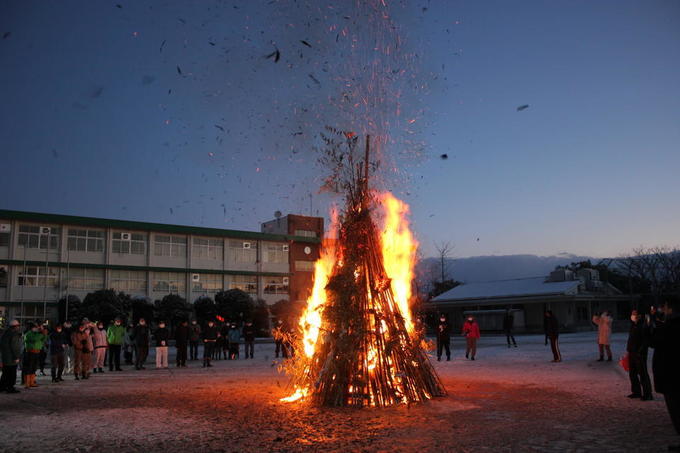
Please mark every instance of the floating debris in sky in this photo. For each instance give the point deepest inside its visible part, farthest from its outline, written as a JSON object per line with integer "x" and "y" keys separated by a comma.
{"x": 444, "y": 156}
{"x": 522, "y": 107}
{"x": 275, "y": 55}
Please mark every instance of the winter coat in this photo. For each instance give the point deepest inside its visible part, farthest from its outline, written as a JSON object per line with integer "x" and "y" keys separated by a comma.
{"x": 127, "y": 339}
{"x": 471, "y": 329}
{"x": 638, "y": 337}
{"x": 162, "y": 337}
{"x": 249, "y": 333}
{"x": 210, "y": 333}
{"x": 140, "y": 335}
{"x": 99, "y": 338}
{"x": 444, "y": 331}
{"x": 115, "y": 334}
{"x": 10, "y": 347}
{"x": 508, "y": 321}
{"x": 57, "y": 342}
{"x": 604, "y": 329}
{"x": 234, "y": 336}
{"x": 551, "y": 326}
{"x": 195, "y": 334}
{"x": 68, "y": 333}
{"x": 34, "y": 341}
{"x": 666, "y": 360}
{"x": 182, "y": 334}
{"x": 82, "y": 341}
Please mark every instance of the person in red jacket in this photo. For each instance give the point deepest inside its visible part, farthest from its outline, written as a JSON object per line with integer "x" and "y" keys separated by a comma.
{"x": 471, "y": 334}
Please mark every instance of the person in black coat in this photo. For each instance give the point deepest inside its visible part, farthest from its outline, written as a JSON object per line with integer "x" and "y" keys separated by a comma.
{"x": 443, "y": 338}
{"x": 508, "y": 324}
{"x": 58, "y": 344}
{"x": 249, "y": 338}
{"x": 10, "y": 354}
{"x": 182, "y": 334}
{"x": 210, "y": 335}
{"x": 666, "y": 362}
{"x": 637, "y": 347}
{"x": 140, "y": 335}
{"x": 552, "y": 333}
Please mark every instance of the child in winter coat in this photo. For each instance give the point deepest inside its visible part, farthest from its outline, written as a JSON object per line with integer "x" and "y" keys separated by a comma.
{"x": 604, "y": 332}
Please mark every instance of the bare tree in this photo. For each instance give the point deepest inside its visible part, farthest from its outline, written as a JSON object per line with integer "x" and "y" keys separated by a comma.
{"x": 444, "y": 250}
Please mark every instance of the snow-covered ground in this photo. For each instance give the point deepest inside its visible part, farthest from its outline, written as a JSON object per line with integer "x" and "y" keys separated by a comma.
{"x": 505, "y": 401}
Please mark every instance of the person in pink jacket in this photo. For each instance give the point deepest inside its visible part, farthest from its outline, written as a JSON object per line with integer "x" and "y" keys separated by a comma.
{"x": 604, "y": 332}
{"x": 100, "y": 346}
{"x": 471, "y": 334}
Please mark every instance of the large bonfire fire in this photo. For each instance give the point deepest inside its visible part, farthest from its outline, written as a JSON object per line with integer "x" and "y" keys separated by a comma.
{"x": 360, "y": 345}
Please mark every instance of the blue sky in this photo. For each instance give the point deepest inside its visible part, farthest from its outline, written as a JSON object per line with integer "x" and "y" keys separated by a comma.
{"x": 97, "y": 120}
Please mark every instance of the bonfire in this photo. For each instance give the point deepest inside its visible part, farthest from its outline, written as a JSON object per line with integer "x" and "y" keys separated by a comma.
{"x": 359, "y": 344}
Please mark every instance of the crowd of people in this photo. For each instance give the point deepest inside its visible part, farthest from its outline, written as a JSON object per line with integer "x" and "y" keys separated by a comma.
{"x": 87, "y": 348}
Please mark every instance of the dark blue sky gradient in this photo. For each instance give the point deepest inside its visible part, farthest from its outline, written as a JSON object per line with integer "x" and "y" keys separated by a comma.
{"x": 88, "y": 127}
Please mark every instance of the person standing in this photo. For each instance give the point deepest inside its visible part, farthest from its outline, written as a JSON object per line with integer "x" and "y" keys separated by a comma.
{"x": 222, "y": 345}
{"x": 194, "y": 339}
{"x": 209, "y": 339}
{"x": 100, "y": 345}
{"x": 234, "y": 339}
{"x": 162, "y": 337}
{"x": 443, "y": 338}
{"x": 279, "y": 334}
{"x": 141, "y": 337}
{"x": 182, "y": 334}
{"x": 10, "y": 354}
{"x": 471, "y": 334}
{"x": 115, "y": 336}
{"x": 508, "y": 324}
{"x": 57, "y": 350}
{"x": 34, "y": 342}
{"x": 604, "y": 333}
{"x": 637, "y": 347}
{"x": 82, "y": 343}
{"x": 43, "y": 352}
{"x": 666, "y": 362}
{"x": 68, "y": 349}
{"x": 249, "y": 339}
{"x": 128, "y": 345}
{"x": 552, "y": 332}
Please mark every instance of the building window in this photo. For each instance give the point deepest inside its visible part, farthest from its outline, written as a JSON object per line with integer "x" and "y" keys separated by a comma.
{"x": 4, "y": 239}
{"x": 276, "y": 253}
{"x": 208, "y": 249}
{"x": 4, "y": 275}
{"x": 85, "y": 240}
{"x": 276, "y": 285}
{"x": 38, "y": 276}
{"x": 128, "y": 281}
{"x": 246, "y": 283}
{"x": 305, "y": 233}
{"x": 304, "y": 266}
{"x": 128, "y": 243}
{"x": 168, "y": 282}
{"x": 86, "y": 279}
{"x": 34, "y": 237}
{"x": 243, "y": 252}
{"x": 174, "y": 246}
{"x": 207, "y": 283}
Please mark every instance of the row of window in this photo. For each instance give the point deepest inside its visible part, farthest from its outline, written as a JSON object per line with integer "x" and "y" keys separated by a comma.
{"x": 84, "y": 240}
{"x": 136, "y": 281}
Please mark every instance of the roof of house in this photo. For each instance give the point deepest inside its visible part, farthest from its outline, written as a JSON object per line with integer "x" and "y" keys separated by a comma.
{"x": 6, "y": 214}
{"x": 521, "y": 287}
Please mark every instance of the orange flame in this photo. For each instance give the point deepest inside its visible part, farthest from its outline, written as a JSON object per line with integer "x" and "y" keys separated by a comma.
{"x": 398, "y": 247}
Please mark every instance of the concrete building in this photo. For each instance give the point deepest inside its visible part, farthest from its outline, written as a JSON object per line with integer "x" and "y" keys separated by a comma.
{"x": 573, "y": 297}
{"x": 44, "y": 257}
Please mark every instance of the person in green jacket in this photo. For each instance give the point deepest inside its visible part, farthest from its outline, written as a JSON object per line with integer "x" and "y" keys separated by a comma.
{"x": 115, "y": 335}
{"x": 34, "y": 341}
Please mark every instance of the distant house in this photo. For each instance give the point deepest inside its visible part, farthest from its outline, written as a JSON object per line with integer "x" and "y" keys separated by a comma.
{"x": 572, "y": 296}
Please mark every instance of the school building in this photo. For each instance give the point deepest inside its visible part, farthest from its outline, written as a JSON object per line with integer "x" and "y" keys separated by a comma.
{"x": 44, "y": 257}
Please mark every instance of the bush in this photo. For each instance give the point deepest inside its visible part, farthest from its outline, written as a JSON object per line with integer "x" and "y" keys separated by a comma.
{"x": 234, "y": 305}
{"x": 74, "y": 309}
{"x": 103, "y": 305}
{"x": 205, "y": 309}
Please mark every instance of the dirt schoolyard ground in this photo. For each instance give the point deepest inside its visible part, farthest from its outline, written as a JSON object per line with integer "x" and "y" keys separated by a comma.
{"x": 508, "y": 400}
